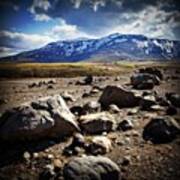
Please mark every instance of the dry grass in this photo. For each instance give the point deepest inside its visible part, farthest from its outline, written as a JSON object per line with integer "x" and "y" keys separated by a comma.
{"x": 19, "y": 70}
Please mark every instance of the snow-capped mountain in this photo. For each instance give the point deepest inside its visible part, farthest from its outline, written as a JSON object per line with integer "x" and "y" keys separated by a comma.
{"x": 112, "y": 47}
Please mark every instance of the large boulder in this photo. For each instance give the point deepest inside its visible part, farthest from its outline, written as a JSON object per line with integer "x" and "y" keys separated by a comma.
{"x": 144, "y": 81}
{"x": 153, "y": 71}
{"x": 119, "y": 96}
{"x": 91, "y": 168}
{"x": 46, "y": 117}
{"x": 97, "y": 123}
{"x": 161, "y": 130}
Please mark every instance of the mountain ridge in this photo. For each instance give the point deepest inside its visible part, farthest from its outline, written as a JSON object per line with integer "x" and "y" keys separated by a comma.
{"x": 114, "y": 46}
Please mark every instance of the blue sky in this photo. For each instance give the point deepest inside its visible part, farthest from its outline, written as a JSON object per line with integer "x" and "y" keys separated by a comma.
{"x": 30, "y": 24}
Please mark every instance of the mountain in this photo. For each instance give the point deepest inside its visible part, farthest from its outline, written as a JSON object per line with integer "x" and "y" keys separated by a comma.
{"x": 112, "y": 47}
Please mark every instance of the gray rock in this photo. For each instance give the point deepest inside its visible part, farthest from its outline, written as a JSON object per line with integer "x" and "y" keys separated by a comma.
{"x": 97, "y": 123}
{"x": 161, "y": 130}
{"x": 92, "y": 107}
{"x": 114, "y": 109}
{"x": 99, "y": 145}
{"x": 67, "y": 97}
{"x": 46, "y": 117}
{"x": 91, "y": 168}
{"x": 119, "y": 96}
{"x": 144, "y": 81}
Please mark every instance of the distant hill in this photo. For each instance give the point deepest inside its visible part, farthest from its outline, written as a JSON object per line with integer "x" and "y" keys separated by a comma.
{"x": 112, "y": 47}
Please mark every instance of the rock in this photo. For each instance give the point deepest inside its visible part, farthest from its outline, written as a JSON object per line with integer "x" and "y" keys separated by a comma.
{"x": 133, "y": 111}
{"x": 99, "y": 145}
{"x": 27, "y": 156}
{"x": 174, "y": 99}
{"x": 114, "y": 109}
{"x": 147, "y": 101}
{"x": 161, "y": 130}
{"x": 77, "y": 110}
{"x": 45, "y": 118}
{"x": 3, "y": 101}
{"x": 162, "y": 101}
{"x": 153, "y": 71}
{"x": 48, "y": 173}
{"x": 50, "y": 87}
{"x": 67, "y": 97}
{"x": 92, "y": 107}
{"x": 52, "y": 81}
{"x": 88, "y": 80}
{"x": 91, "y": 168}
{"x": 94, "y": 91}
{"x": 97, "y": 123}
{"x": 171, "y": 110}
{"x": 125, "y": 125}
{"x": 144, "y": 81}
{"x": 156, "y": 108}
{"x": 57, "y": 164}
{"x": 126, "y": 160}
{"x": 119, "y": 96}
{"x": 85, "y": 95}
{"x": 78, "y": 141}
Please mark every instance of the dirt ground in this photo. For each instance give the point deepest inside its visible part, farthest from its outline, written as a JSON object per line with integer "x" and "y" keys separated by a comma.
{"x": 147, "y": 161}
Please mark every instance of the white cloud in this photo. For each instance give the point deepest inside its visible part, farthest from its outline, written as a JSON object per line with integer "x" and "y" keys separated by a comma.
{"x": 42, "y": 4}
{"x": 41, "y": 17}
{"x": 15, "y": 42}
{"x": 152, "y": 22}
{"x": 6, "y": 51}
{"x": 64, "y": 31}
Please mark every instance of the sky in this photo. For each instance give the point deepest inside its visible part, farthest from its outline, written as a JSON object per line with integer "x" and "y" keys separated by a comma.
{"x": 30, "y": 24}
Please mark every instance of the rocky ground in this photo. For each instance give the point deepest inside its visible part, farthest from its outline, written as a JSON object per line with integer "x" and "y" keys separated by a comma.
{"x": 136, "y": 126}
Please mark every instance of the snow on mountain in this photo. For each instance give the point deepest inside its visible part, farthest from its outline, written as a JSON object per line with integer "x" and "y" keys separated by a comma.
{"x": 114, "y": 46}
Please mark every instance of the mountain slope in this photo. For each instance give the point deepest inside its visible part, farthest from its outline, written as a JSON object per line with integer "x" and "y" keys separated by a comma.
{"x": 112, "y": 47}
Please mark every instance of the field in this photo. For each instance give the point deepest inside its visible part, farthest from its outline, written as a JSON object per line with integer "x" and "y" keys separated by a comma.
{"x": 19, "y": 70}
{"x": 145, "y": 160}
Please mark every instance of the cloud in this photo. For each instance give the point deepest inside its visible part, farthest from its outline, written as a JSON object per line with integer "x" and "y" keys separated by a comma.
{"x": 151, "y": 21}
{"x": 64, "y": 31}
{"x": 15, "y": 42}
{"x": 39, "y": 9}
{"x": 41, "y": 17}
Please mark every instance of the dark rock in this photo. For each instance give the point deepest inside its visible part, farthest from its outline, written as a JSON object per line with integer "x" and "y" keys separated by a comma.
{"x": 77, "y": 110}
{"x": 88, "y": 80}
{"x": 119, "y": 96}
{"x": 162, "y": 101}
{"x": 153, "y": 71}
{"x": 174, "y": 99}
{"x": 161, "y": 130}
{"x": 147, "y": 102}
{"x": 171, "y": 110}
{"x": 91, "y": 168}
{"x": 125, "y": 125}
